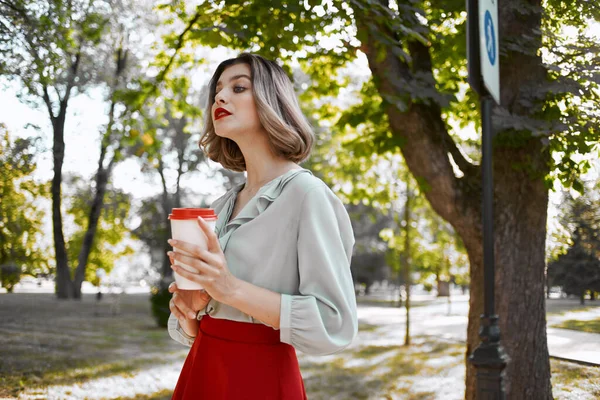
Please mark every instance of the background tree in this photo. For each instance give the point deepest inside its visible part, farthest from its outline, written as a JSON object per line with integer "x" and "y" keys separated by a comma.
{"x": 20, "y": 216}
{"x": 48, "y": 47}
{"x": 577, "y": 270}
{"x": 416, "y": 54}
{"x": 57, "y": 50}
{"x": 369, "y": 263}
{"x": 111, "y": 229}
{"x": 171, "y": 151}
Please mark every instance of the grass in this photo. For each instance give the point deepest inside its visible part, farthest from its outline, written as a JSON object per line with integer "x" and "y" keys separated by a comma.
{"x": 364, "y": 327}
{"x": 380, "y": 372}
{"x": 563, "y": 306}
{"x": 428, "y": 369}
{"x": 44, "y": 341}
{"x": 162, "y": 395}
{"x": 591, "y": 326}
{"x": 573, "y": 381}
{"x": 368, "y": 301}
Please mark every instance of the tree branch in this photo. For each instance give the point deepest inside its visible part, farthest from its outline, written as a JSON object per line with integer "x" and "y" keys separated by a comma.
{"x": 426, "y": 142}
{"x": 180, "y": 43}
{"x": 421, "y": 64}
{"x": 73, "y": 71}
{"x": 48, "y": 102}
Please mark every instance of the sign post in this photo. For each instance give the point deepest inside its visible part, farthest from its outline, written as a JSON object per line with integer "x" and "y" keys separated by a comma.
{"x": 488, "y": 358}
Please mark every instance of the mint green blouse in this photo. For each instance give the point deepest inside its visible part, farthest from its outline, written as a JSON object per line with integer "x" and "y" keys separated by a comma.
{"x": 293, "y": 237}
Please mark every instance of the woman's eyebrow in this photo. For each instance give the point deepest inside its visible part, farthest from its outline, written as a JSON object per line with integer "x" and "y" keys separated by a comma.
{"x": 233, "y": 78}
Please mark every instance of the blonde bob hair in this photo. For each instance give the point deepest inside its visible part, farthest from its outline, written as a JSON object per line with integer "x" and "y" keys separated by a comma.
{"x": 290, "y": 135}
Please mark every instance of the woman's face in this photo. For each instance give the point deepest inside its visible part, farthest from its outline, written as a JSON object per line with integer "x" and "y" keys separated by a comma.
{"x": 234, "y": 112}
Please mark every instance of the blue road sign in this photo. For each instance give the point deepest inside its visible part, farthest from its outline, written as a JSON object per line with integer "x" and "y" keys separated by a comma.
{"x": 488, "y": 46}
{"x": 490, "y": 37}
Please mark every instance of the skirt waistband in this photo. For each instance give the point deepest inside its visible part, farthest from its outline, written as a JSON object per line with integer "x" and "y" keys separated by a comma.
{"x": 243, "y": 332}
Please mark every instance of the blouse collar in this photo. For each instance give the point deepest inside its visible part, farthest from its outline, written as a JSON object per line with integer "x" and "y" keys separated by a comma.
{"x": 266, "y": 195}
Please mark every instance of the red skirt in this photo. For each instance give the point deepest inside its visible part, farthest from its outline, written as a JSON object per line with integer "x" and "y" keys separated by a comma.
{"x": 232, "y": 360}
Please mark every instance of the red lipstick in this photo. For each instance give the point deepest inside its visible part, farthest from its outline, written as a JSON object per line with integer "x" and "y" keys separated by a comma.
{"x": 221, "y": 113}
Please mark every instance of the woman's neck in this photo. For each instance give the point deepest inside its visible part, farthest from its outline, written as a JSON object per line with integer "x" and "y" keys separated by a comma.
{"x": 262, "y": 165}
{"x": 265, "y": 171}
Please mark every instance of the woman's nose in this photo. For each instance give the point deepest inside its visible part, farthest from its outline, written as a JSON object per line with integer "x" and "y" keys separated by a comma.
{"x": 220, "y": 97}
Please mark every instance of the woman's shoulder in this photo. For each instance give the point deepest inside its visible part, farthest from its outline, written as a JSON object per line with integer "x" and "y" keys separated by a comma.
{"x": 309, "y": 185}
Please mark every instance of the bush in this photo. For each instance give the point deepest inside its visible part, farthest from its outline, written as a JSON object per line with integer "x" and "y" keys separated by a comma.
{"x": 159, "y": 299}
{"x": 10, "y": 275}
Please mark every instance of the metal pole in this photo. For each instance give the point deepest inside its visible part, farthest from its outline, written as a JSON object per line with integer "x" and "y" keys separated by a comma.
{"x": 489, "y": 358}
{"x": 488, "y": 204}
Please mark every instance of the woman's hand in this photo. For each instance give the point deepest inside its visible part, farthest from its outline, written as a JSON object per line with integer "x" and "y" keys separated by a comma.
{"x": 187, "y": 303}
{"x": 210, "y": 265}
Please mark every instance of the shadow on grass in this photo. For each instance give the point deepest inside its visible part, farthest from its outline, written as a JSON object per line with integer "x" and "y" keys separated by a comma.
{"x": 366, "y": 301}
{"x": 382, "y": 372}
{"x": 162, "y": 395}
{"x": 45, "y": 341}
{"x": 590, "y": 326}
{"x": 574, "y": 381}
{"x": 364, "y": 327}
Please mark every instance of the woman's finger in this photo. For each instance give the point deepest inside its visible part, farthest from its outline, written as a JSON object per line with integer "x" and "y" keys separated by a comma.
{"x": 195, "y": 263}
{"x": 198, "y": 278}
{"x": 185, "y": 246}
{"x": 183, "y": 307}
{"x": 175, "y": 311}
{"x": 172, "y": 287}
{"x": 209, "y": 258}
{"x": 204, "y": 255}
{"x": 213, "y": 241}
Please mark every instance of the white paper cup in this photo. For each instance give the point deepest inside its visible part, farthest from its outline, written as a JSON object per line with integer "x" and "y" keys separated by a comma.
{"x": 185, "y": 227}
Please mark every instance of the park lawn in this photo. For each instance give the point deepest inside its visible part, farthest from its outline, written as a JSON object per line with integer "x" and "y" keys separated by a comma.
{"x": 574, "y": 381}
{"x": 427, "y": 370}
{"x": 369, "y": 301}
{"x": 591, "y": 326}
{"x": 556, "y": 307}
{"x": 46, "y": 342}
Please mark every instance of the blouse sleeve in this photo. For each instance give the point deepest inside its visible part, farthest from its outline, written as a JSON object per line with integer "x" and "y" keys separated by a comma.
{"x": 177, "y": 333}
{"x": 322, "y": 319}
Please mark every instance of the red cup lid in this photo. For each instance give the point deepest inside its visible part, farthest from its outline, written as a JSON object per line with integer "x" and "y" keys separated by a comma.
{"x": 193, "y": 213}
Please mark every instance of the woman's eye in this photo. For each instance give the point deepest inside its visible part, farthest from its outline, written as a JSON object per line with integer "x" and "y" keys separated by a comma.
{"x": 239, "y": 89}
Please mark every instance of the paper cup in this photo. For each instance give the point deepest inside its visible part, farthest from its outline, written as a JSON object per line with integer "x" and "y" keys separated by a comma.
{"x": 185, "y": 227}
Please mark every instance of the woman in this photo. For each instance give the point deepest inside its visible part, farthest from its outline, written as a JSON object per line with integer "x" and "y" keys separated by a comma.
{"x": 276, "y": 275}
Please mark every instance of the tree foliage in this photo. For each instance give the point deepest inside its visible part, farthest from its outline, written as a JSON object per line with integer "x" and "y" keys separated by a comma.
{"x": 56, "y": 50}
{"x": 416, "y": 54}
{"x": 20, "y": 214}
{"x": 112, "y": 227}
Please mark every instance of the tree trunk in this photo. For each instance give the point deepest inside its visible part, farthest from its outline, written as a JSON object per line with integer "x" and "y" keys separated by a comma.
{"x": 443, "y": 288}
{"x": 520, "y": 267}
{"x": 166, "y": 270}
{"x": 407, "y": 258}
{"x": 102, "y": 177}
{"x": 64, "y": 287}
{"x": 521, "y": 197}
{"x": 582, "y": 298}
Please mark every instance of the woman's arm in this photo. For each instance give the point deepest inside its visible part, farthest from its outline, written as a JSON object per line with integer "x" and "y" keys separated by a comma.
{"x": 260, "y": 303}
{"x": 214, "y": 275}
{"x": 322, "y": 318}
